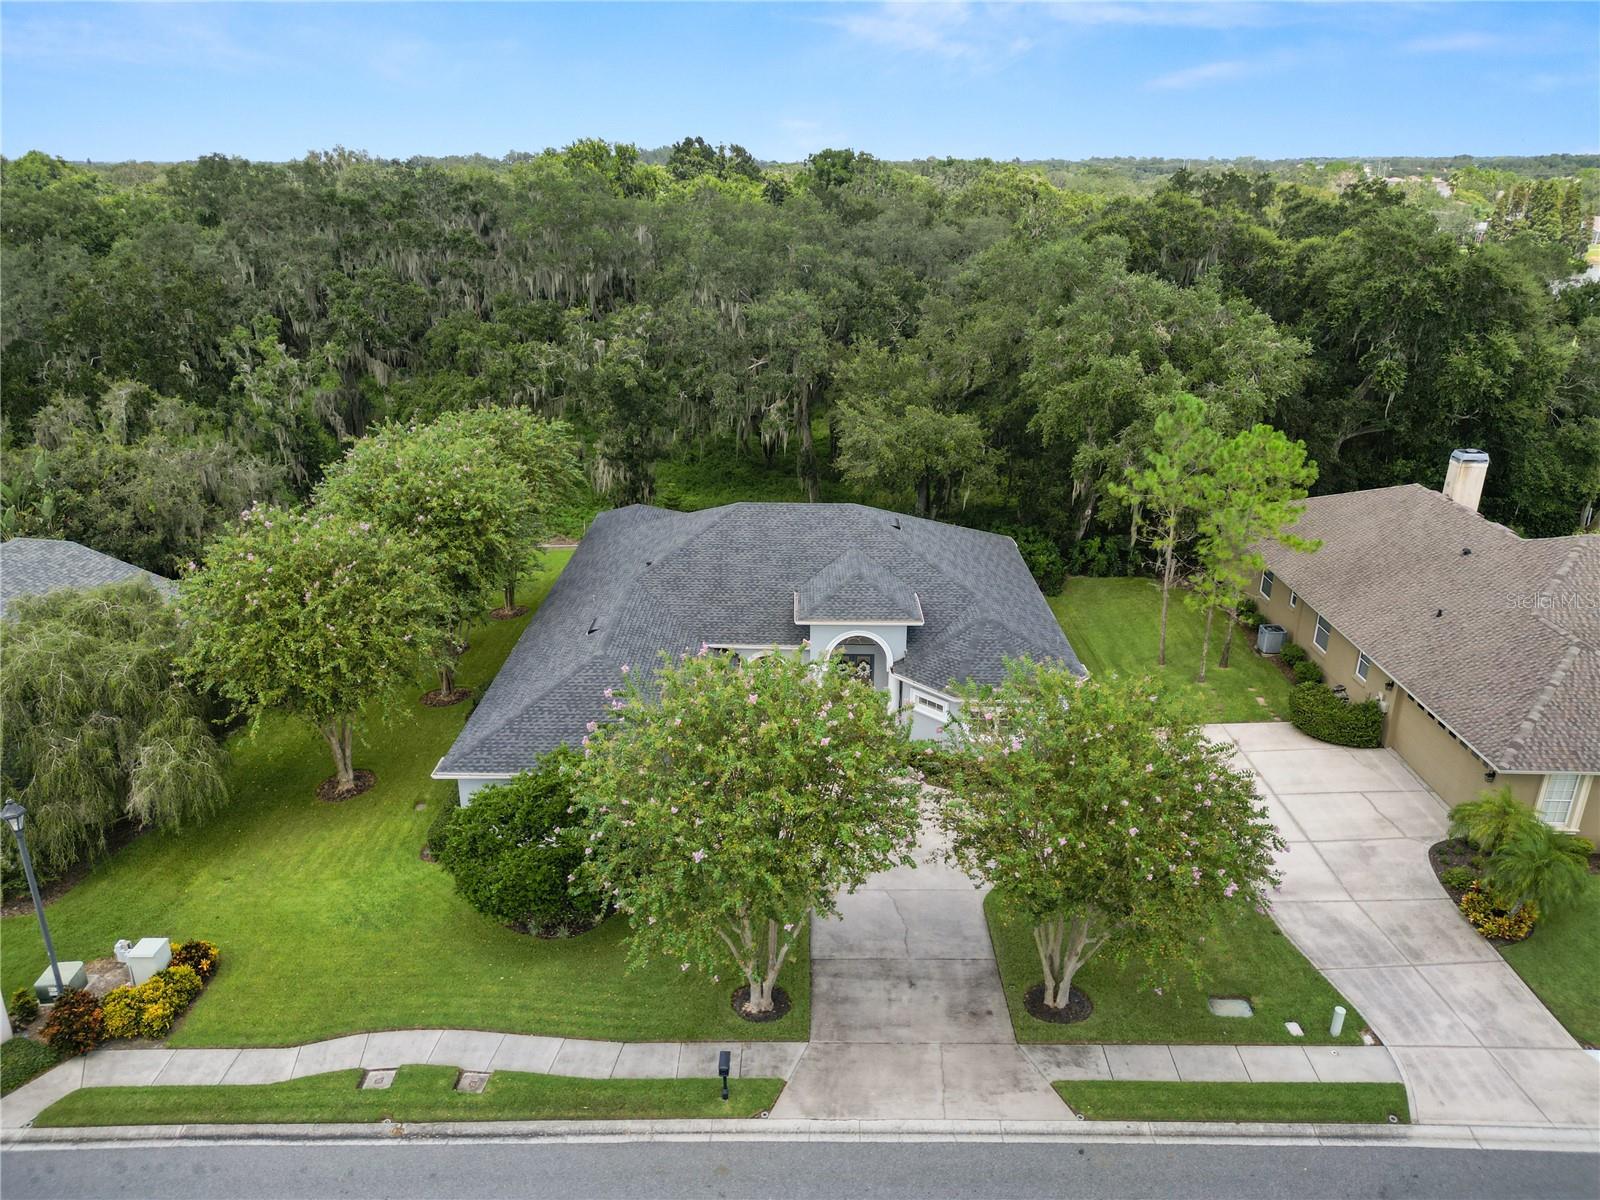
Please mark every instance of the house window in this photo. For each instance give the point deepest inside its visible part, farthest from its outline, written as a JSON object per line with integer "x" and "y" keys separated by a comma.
{"x": 1294, "y": 598}
{"x": 1320, "y": 636}
{"x": 931, "y": 706}
{"x": 1556, "y": 802}
{"x": 1266, "y": 584}
{"x": 1363, "y": 665}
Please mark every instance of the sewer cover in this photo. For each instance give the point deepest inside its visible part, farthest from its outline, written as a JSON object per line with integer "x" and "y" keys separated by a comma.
{"x": 472, "y": 1081}
{"x": 377, "y": 1080}
{"x": 1229, "y": 1006}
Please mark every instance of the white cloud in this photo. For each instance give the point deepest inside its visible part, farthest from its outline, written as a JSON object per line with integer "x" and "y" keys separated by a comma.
{"x": 1191, "y": 14}
{"x": 945, "y": 30}
{"x": 1197, "y": 76}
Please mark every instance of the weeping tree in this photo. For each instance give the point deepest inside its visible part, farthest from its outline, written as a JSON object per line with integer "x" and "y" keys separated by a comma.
{"x": 1103, "y": 815}
{"x": 728, "y": 801}
{"x": 545, "y": 456}
{"x": 314, "y": 615}
{"x": 97, "y": 727}
{"x": 446, "y": 488}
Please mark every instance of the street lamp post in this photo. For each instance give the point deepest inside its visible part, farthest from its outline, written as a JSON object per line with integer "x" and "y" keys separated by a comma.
{"x": 14, "y": 815}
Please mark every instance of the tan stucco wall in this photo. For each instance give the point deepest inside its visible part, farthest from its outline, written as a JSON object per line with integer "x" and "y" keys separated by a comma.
{"x": 1444, "y": 762}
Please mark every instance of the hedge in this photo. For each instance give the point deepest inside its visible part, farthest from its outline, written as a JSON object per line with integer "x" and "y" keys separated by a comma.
{"x": 1316, "y": 710}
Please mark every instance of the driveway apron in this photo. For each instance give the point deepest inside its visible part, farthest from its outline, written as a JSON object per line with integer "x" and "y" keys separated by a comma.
{"x": 908, "y": 1019}
{"x": 1360, "y": 900}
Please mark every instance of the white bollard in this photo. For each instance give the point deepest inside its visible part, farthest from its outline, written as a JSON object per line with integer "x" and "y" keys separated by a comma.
{"x": 1338, "y": 1021}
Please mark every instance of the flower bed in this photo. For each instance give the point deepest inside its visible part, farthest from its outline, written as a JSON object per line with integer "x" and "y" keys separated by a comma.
{"x": 80, "y": 1021}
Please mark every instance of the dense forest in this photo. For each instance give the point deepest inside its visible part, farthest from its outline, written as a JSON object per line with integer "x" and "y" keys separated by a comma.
{"x": 964, "y": 339}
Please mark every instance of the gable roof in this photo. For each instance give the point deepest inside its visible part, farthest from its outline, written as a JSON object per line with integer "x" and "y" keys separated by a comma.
{"x": 853, "y": 588}
{"x": 36, "y": 566}
{"x": 648, "y": 580}
{"x": 1497, "y": 634}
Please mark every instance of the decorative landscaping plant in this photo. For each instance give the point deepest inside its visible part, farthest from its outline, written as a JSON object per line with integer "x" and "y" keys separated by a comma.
{"x": 513, "y": 850}
{"x": 150, "y": 1009}
{"x": 1101, "y": 812}
{"x": 1316, "y": 710}
{"x": 1529, "y": 869}
{"x": 727, "y": 801}
{"x": 24, "y": 1008}
{"x": 76, "y": 1024}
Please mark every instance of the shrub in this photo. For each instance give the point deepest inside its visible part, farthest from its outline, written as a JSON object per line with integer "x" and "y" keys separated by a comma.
{"x": 513, "y": 849}
{"x": 1099, "y": 556}
{"x": 1040, "y": 552}
{"x": 76, "y": 1024}
{"x": 1484, "y": 911}
{"x": 1457, "y": 879}
{"x": 1292, "y": 653}
{"x": 153, "y": 1007}
{"x": 200, "y": 957}
{"x": 1306, "y": 671}
{"x": 1316, "y": 711}
{"x": 1250, "y": 617}
{"x": 1491, "y": 819}
{"x": 24, "y": 1007}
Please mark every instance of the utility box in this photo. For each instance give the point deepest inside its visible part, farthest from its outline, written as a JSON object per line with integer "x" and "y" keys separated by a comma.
{"x": 1269, "y": 639}
{"x": 148, "y": 956}
{"x": 72, "y": 976}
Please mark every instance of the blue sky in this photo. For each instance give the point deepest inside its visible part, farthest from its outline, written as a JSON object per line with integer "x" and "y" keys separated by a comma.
{"x": 900, "y": 80}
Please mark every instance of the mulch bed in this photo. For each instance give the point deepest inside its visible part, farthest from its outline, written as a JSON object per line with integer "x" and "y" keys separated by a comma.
{"x": 1078, "y": 1007}
{"x": 1452, "y": 852}
{"x": 328, "y": 790}
{"x": 781, "y": 1004}
{"x": 508, "y": 614}
{"x": 438, "y": 699}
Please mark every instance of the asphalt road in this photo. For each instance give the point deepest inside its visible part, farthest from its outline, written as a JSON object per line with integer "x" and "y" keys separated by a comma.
{"x": 643, "y": 1171}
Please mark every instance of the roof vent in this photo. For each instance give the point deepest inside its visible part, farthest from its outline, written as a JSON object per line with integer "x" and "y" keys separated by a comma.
{"x": 1438, "y": 614}
{"x": 1466, "y": 550}
{"x": 895, "y": 522}
{"x": 594, "y": 624}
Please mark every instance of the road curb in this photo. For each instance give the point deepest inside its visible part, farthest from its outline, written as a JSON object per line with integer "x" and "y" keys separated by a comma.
{"x": 1463, "y": 1137}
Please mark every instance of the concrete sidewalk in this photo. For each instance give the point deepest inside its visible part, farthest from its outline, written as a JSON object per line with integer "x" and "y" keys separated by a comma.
{"x": 1362, "y": 903}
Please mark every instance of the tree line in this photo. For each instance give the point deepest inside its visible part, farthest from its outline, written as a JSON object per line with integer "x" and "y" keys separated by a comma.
{"x": 972, "y": 342}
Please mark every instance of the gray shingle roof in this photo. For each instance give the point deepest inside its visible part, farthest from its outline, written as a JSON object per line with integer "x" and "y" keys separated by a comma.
{"x": 35, "y": 566}
{"x": 1503, "y": 644}
{"x": 647, "y": 580}
{"x": 854, "y": 588}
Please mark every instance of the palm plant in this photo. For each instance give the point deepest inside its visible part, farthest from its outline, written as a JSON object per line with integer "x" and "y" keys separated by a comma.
{"x": 1491, "y": 820}
{"x": 1540, "y": 865}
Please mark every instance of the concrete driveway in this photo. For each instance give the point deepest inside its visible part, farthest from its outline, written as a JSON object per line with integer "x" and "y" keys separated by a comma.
{"x": 908, "y": 1019}
{"x": 1361, "y": 902}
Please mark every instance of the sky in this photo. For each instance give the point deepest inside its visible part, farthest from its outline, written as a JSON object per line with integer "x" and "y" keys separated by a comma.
{"x": 273, "y": 81}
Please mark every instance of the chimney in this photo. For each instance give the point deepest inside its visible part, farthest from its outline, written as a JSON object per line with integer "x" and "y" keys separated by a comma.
{"x": 1463, "y": 482}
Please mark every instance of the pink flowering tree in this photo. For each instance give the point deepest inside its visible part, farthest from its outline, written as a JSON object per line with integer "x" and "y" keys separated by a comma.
{"x": 1099, "y": 810}
{"x": 310, "y": 614}
{"x": 727, "y": 801}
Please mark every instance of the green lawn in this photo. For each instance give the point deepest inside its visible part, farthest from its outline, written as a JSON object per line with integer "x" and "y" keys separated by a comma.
{"x": 1560, "y": 961}
{"x": 21, "y": 1059}
{"x": 1113, "y": 623}
{"x": 330, "y": 923}
{"x": 417, "y": 1094}
{"x": 1250, "y": 958}
{"x": 1327, "y": 1103}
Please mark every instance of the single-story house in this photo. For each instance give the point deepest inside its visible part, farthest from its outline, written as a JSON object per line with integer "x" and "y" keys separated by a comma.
{"x": 915, "y": 606}
{"x": 1483, "y": 647}
{"x": 36, "y": 566}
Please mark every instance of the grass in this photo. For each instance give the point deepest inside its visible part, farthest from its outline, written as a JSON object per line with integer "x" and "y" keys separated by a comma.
{"x": 1560, "y": 961}
{"x": 1113, "y": 623}
{"x": 21, "y": 1059}
{"x": 1249, "y": 958}
{"x": 417, "y": 1094}
{"x": 1324, "y": 1103}
{"x": 330, "y": 923}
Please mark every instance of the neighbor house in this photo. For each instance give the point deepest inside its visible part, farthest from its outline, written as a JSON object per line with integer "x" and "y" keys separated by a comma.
{"x": 1483, "y": 647}
{"x": 917, "y": 607}
{"x": 37, "y": 566}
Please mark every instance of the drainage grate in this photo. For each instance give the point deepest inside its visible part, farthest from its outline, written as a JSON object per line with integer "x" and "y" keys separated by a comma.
{"x": 377, "y": 1080}
{"x": 472, "y": 1081}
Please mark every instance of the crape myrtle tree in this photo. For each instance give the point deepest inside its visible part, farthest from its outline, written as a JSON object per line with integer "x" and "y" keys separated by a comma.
{"x": 457, "y": 498}
{"x": 727, "y": 801}
{"x": 545, "y": 456}
{"x": 97, "y": 728}
{"x": 1101, "y": 812}
{"x": 313, "y": 614}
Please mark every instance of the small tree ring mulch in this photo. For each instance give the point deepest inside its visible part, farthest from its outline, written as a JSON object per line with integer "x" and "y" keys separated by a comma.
{"x": 508, "y": 614}
{"x": 438, "y": 699}
{"x": 781, "y": 1004}
{"x": 1078, "y": 1006}
{"x": 329, "y": 791}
